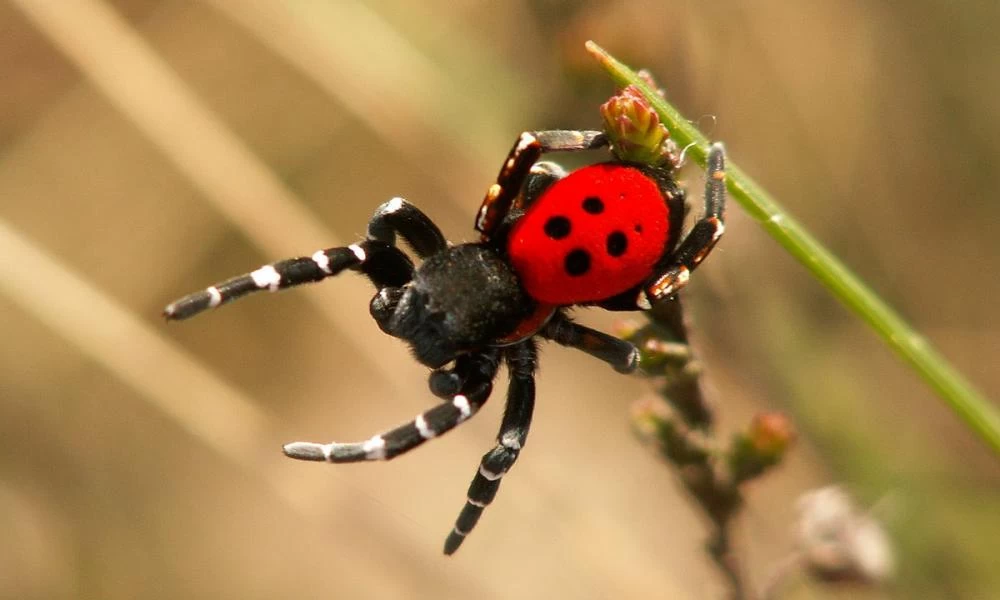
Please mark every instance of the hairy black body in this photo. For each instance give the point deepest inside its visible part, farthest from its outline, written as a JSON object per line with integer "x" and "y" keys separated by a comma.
{"x": 462, "y": 299}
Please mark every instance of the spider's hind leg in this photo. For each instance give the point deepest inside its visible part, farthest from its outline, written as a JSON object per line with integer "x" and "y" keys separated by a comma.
{"x": 541, "y": 176}
{"x": 517, "y": 167}
{"x": 699, "y": 241}
{"x": 622, "y": 356}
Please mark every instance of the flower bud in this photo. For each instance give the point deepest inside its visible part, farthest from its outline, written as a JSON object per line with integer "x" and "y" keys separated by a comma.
{"x": 761, "y": 446}
{"x": 635, "y": 129}
{"x": 771, "y": 434}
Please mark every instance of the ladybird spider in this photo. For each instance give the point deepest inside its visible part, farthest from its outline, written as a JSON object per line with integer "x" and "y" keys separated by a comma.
{"x": 605, "y": 235}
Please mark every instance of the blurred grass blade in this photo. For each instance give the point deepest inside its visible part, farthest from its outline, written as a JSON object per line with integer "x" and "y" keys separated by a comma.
{"x": 973, "y": 408}
{"x": 205, "y": 406}
{"x": 123, "y": 66}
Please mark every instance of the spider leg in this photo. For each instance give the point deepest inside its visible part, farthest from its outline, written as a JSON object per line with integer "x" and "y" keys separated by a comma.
{"x": 699, "y": 241}
{"x": 429, "y": 424}
{"x": 521, "y": 361}
{"x": 621, "y": 355}
{"x": 529, "y": 146}
{"x": 376, "y": 257}
{"x": 399, "y": 216}
{"x": 384, "y": 264}
{"x": 540, "y": 177}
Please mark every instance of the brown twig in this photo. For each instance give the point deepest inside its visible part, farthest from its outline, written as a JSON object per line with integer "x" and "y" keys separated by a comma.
{"x": 683, "y": 424}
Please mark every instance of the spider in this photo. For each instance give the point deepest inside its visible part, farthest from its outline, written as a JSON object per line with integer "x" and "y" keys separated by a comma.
{"x": 605, "y": 235}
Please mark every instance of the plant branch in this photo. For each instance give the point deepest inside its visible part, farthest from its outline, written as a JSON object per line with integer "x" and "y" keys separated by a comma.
{"x": 967, "y": 402}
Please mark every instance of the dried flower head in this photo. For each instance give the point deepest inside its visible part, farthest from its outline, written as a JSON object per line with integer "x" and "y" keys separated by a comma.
{"x": 839, "y": 542}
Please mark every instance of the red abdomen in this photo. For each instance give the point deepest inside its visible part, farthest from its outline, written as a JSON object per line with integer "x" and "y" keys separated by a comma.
{"x": 591, "y": 235}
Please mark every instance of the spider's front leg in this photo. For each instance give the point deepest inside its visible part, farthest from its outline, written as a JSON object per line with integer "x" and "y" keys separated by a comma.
{"x": 478, "y": 371}
{"x": 376, "y": 257}
{"x": 385, "y": 265}
{"x": 399, "y": 216}
{"x": 528, "y": 148}
{"x": 522, "y": 360}
{"x": 699, "y": 241}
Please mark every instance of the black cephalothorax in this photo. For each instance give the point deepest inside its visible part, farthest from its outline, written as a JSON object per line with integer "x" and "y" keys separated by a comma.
{"x": 464, "y": 310}
{"x": 461, "y": 299}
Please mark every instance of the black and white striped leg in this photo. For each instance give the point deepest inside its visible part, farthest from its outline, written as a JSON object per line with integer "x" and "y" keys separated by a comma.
{"x": 384, "y": 265}
{"x": 529, "y": 146}
{"x": 700, "y": 240}
{"x": 521, "y": 361}
{"x": 399, "y": 216}
{"x": 428, "y": 424}
{"x": 621, "y": 355}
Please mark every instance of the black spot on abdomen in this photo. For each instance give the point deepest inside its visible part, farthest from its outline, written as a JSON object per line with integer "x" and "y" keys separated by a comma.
{"x": 577, "y": 262}
{"x": 557, "y": 227}
{"x": 617, "y": 243}
{"x": 593, "y": 205}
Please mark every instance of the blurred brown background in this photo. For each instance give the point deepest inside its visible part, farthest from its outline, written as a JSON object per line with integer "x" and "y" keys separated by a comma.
{"x": 151, "y": 147}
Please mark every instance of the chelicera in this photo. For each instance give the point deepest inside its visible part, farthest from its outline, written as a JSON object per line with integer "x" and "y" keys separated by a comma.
{"x": 605, "y": 235}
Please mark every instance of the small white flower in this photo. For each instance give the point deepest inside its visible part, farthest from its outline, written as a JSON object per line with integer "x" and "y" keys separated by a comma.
{"x": 840, "y": 542}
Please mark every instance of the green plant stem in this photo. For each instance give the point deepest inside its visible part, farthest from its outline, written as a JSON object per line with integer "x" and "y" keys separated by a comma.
{"x": 970, "y": 405}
